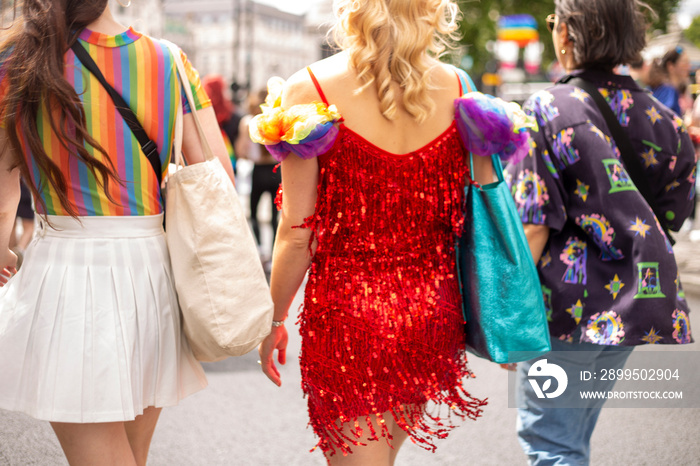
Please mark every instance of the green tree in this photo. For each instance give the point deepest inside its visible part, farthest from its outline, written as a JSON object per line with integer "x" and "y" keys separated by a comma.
{"x": 478, "y": 25}
{"x": 664, "y": 9}
{"x": 693, "y": 31}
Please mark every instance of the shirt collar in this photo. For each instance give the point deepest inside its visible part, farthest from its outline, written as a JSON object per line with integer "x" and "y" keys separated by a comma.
{"x": 606, "y": 79}
{"x": 104, "y": 40}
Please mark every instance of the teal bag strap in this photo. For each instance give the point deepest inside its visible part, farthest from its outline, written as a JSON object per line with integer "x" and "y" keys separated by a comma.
{"x": 465, "y": 81}
{"x": 497, "y": 166}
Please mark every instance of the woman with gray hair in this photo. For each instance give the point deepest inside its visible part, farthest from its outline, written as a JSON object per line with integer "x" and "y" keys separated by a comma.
{"x": 608, "y": 273}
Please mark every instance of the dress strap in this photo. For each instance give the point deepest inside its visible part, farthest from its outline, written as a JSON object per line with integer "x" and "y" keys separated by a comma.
{"x": 318, "y": 86}
{"x": 465, "y": 82}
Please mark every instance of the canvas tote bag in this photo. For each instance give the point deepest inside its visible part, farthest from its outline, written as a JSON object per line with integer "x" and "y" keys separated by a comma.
{"x": 223, "y": 294}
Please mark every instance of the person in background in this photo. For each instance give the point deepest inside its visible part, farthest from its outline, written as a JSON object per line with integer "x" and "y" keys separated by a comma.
{"x": 668, "y": 79}
{"x": 265, "y": 177}
{"x": 90, "y": 333}
{"x": 639, "y": 71}
{"x": 225, "y": 111}
{"x": 609, "y": 276}
{"x": 692, "y": 120}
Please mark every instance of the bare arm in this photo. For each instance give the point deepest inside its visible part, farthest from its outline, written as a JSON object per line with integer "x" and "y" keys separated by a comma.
{"x": 291, "y": 257}
{"x": 9, "y": 199}
{"x": 483, "y": 170}
{"x": 192, "y": 146}
{"x": 537, "y": 236}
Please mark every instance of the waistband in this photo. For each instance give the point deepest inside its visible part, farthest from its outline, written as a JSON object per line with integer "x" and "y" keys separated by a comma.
{"x": 100, "y": 227}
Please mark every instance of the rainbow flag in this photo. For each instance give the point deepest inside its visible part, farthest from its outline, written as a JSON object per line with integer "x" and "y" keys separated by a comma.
{"x": 518, "y": 28}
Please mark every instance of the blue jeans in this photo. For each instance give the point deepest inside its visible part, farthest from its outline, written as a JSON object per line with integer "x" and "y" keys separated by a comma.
{"x": 561, "y": 436}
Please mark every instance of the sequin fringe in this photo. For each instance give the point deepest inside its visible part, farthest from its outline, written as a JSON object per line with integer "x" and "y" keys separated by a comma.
{"x": 382, "y": 328}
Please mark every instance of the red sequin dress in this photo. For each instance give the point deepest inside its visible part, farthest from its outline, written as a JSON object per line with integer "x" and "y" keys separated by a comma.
{"x": 382, "y": 326}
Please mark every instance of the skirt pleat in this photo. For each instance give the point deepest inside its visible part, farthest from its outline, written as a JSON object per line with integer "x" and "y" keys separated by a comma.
{"x": 90, "y": 327}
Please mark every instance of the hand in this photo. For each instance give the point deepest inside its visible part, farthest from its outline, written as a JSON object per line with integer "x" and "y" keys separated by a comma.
{"x": 513, "y": 366}
{"x": 8, "y": 266}
{"x": 276, "y": 340}
{"x": 694, "y": 132}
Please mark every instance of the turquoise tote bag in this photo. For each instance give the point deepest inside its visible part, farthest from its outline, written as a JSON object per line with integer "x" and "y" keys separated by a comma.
{"x": 501, "y": 292}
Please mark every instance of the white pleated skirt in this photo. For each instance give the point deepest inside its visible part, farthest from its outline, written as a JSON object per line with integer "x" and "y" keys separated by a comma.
{"x": 90, "y": 326}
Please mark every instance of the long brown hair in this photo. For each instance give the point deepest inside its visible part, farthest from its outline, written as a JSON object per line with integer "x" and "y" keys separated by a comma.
{"x": 35, "y": 45}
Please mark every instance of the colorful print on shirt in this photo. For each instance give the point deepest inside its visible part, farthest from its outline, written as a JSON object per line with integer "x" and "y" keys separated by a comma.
{"x": 608, "y": 272}
{"x": 530, "y": 196}
{"x": 142, "y": 70}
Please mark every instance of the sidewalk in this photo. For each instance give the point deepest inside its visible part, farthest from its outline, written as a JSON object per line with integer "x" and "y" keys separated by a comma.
{"x": 688, "y": 259}
{"x": 242, "y": 419}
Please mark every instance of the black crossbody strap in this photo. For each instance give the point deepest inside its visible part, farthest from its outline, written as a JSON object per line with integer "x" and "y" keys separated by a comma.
{"x": 148, "y": 147}
{"x": 624, "y": 144}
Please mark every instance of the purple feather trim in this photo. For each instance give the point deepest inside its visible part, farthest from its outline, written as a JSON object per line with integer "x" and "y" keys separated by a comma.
{"x": 486, "y": 128}
{"x": 317, "y": 143}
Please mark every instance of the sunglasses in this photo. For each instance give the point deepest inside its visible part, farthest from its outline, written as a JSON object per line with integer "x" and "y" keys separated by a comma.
{"x": 551, "y": 21}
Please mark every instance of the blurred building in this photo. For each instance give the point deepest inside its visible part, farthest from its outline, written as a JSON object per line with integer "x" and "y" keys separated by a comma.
{"x": 145, "y": 16}
{"x": 244, "y": 41}
{"x": 205, "y": 30}
{"x": 319, "y": 21}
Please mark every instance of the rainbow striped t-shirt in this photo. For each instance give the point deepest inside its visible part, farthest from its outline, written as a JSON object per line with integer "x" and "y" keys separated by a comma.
{"x": 142, "y": 70}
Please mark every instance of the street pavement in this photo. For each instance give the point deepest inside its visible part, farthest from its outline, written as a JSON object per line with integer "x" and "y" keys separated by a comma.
{"x": 688, "y": 258}
{"x": 244, "y": 419}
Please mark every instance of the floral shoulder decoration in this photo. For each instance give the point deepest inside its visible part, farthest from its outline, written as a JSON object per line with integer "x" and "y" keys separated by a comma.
{"x": 489, "y": 125}
{"x": 308, "y": 130}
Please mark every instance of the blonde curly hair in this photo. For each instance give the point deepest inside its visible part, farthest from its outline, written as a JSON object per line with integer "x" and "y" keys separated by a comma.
{"x": 393, "y": 41}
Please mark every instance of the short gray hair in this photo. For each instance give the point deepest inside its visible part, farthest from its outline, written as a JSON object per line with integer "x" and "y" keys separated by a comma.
{"x": 605, "y": 33}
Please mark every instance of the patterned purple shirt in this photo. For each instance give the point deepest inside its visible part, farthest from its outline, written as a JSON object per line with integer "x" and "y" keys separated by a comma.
{"x": 608, "y": 272}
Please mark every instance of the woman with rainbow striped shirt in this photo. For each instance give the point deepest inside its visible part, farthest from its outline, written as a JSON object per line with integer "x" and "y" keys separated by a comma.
{"x": 90, "y": 335}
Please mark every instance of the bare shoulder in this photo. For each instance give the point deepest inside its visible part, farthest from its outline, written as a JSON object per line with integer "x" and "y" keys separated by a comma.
{"x": 445, "y": 75}
{"x": 300, "y": 89}
{"x": 444, "y": 81}
{"x": 445, "y": 69}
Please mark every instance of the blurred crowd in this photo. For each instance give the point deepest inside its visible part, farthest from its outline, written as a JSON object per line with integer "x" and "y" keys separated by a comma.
{"x": 673, "y": 82}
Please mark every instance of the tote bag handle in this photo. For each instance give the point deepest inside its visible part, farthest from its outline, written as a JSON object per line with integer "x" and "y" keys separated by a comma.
{"x": 179, "y": 131}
